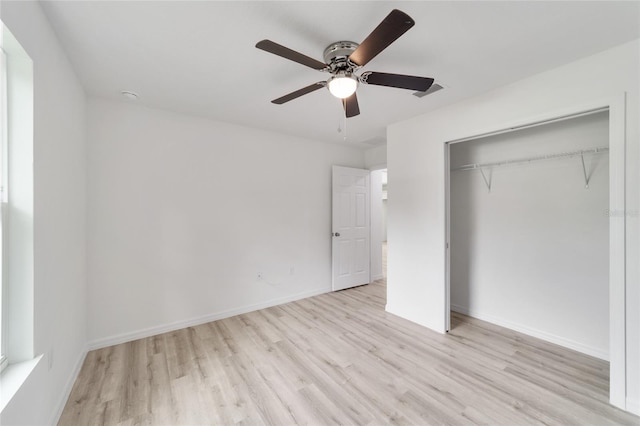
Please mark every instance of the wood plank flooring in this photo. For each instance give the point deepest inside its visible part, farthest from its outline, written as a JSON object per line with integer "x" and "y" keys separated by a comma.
{"x": 339, "y": 358}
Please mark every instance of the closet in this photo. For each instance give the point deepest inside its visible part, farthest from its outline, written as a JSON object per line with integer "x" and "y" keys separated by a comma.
{"x": 529, "y": 231}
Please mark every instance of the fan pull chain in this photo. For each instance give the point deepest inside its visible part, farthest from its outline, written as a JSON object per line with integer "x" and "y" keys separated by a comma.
{"x": 343, "y": 129}
{"x": 344, "y": 136}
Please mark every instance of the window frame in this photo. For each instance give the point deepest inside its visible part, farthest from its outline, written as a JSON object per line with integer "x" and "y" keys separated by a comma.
{"x": 3, "y": 202}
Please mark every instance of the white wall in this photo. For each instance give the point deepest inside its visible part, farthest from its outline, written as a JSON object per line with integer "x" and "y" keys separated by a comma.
{"x": 59, "y": 219}
{"x": 376, "y": 158}
{"x": 533, "y": 254}
{"x": 416, "y": 259}
{"x": 185, "y": 212}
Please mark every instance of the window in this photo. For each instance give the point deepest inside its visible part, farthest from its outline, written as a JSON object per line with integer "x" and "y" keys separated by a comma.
{"x": 3, "y": 199}
{"x": 16, "y": 204}
{"x": 16, "y": 217}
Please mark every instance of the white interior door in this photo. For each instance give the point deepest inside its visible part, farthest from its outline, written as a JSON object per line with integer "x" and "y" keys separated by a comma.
{"x": 350, "y": 223}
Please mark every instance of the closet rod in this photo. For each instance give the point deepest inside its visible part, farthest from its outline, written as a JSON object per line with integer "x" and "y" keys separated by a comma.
{"x": 600, "y": 150}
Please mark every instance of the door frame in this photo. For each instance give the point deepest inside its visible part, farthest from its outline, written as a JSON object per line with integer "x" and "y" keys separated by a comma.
{"x": 616, "y": 106}
{"x": 372, "y": 169}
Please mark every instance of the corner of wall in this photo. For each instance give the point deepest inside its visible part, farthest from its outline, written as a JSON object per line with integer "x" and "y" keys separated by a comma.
{"x": 376, "y": 158}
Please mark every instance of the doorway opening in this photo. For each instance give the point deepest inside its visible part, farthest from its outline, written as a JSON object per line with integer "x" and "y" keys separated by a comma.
{"x": 378, "y": 224}
{"x": 614, "y": 108}
{"x": 529, "y": 234}
{"x": 384, "y": 223}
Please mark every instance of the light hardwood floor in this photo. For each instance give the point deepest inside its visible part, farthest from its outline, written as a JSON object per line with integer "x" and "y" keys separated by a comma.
{"x": 339, "y": 358}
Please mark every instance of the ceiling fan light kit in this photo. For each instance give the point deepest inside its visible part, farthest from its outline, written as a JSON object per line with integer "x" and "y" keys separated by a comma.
{"x": 344, "y": 58}
{"x": 342, "y": 86}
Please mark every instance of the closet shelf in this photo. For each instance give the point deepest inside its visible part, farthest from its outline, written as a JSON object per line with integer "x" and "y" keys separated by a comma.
{"x": 491, "y": 166}
{"x": 476, "y": 166}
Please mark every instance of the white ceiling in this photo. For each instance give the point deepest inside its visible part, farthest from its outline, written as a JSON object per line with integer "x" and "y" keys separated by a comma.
{"x": 198, "y": 57}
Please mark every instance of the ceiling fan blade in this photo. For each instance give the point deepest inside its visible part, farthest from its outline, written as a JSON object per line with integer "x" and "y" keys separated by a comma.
{"x": 292, "y": 55}
{"x": 392, "y": 27}
{"x": 419, "y": 84}
{"x": 350, "y": 105}
{"x": 293, "y": 95}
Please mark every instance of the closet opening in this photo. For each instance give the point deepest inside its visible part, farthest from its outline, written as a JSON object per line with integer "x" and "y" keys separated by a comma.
{"x": 533, "y": 241}
{"x": 529, "y": 231}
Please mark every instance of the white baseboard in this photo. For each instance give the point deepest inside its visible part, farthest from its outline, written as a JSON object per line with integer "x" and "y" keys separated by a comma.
{"x": 177, "y": 325}
{"x": 633, "y": 406}
{"x": 66, "y": 392}
{"x": 549, "y": 337}
{"x": 376, "y": 277}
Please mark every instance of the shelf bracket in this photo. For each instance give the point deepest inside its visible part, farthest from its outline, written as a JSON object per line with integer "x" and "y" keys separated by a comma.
{"x": 487, "y": 181}
{"x": 584, "y": 171}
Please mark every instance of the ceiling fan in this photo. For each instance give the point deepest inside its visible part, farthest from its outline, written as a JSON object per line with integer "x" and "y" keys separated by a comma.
{"x": 344, "y": 58}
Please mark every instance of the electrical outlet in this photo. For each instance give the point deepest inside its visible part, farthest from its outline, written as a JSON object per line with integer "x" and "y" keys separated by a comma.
{"x": 292, "y": 270}
{"x": 259, "y": 277}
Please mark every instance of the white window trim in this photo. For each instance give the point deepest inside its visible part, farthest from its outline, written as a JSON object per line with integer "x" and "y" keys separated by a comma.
{"x": 3, "y": 200}
{"x": 18, "y": 296}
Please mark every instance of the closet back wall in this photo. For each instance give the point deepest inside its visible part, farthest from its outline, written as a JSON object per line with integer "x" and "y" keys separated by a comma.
{"x": 532, "y": 254}
{"x": 184, "y": 213}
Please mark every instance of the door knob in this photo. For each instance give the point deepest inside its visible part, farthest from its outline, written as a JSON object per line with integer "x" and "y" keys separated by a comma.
{"x": 336, "y": 234}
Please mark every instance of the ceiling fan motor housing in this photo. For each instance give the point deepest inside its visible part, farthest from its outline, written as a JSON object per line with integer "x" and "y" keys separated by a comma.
{"x": 336, "y": 55}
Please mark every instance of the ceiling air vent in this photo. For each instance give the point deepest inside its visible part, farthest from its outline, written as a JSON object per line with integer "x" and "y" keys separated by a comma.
{"x": 434, "y": 88}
